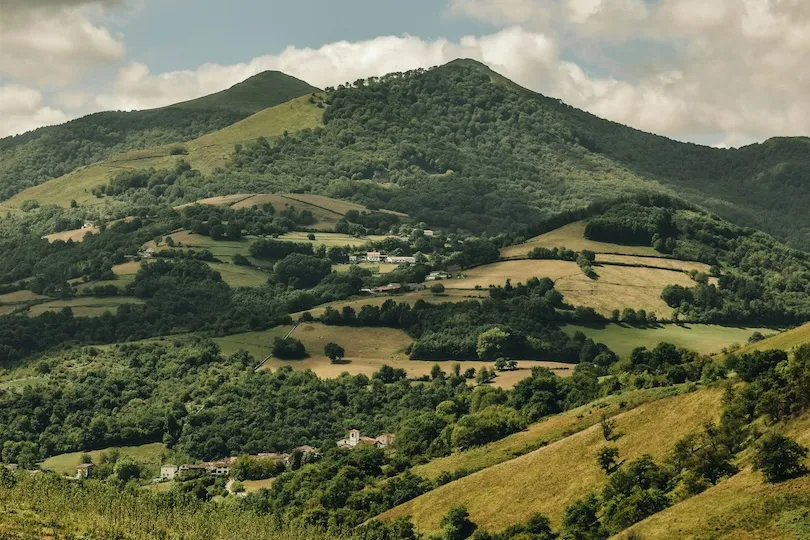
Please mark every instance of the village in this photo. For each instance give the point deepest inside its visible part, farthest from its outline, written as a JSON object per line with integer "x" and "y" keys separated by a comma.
{"x": 170, "y": 472}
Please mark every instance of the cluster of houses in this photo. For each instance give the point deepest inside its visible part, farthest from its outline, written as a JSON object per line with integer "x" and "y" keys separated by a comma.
{"x": 437, "y": 275}
{"x": 378, "y": 257}
{"x": 223, "y": 467}
{"x": 354, "y": 439}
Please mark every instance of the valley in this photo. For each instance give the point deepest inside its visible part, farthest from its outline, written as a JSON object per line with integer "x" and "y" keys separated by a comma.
{"x": 415, "y": 304}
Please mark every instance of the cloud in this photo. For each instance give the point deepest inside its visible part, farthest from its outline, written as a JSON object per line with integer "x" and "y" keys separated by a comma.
{"x": 22, "y": 109}
{"x": 51, "y": 42}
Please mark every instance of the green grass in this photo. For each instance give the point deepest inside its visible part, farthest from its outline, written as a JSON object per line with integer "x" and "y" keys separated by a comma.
{"x": 331, "y": 239}
{"x": 147, "y": 454}
{"x": 703, "y": 338}
{"x": 547, "y": 480}
{"x": 786, "y": 340}
{"x": 84, "y": 306}
{"x": 206, "y": 153}
{"x": 240, "y": 276}
{"x": 256, "y": 343}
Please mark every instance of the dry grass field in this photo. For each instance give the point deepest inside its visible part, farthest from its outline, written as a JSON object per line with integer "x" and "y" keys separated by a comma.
{"x": 334, "y": 205}
{"x": 374, "y": 268}
{"x": 741, "y": 507}
{"x": 76, "y": 235}
{"x": 571, "y": 236}
{"x": 367, "y": 349}
{"x": 549, "y": 479}
{"x": 660, "y": 262}
{"x": 19, "y": 297}
{"x": 330, "y": 239}
{"x": 786, "y": 340}
{"x": 541, "y": 434}
{"x": 240, "y": 276}
{"x": 616, "y": 287}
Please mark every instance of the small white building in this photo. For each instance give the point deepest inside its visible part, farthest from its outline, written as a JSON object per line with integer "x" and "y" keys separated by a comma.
{"x": 168, "y": 472}
{"x": 437, "y": 275}
{"x": 88, "y": 225}
{"x": 429, "y": 233}
{"x": 373, "y": 256}
{"x": 393, "y": 259}
{"x": 85, "y": 470}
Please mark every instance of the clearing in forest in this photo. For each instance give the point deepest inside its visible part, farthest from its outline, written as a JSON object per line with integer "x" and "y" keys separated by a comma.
{"x": 572, "y": 236}
{"x": 147, "y": 454}
{"x": 616, "y": 287}
{"x": 547, "y": 480}
{"x": 86, "y": 306}
{"x": 703, "y": 338}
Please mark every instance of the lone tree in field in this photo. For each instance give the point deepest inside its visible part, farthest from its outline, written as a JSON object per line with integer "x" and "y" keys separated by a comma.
{"x": 608, "y": 458}
{"x": 780, "y": 458}
{"x": 608, "y": 426}
{"x": 289, "y": 349}
{"x": 334, "y": 352}
{"x": 437, "y": 288}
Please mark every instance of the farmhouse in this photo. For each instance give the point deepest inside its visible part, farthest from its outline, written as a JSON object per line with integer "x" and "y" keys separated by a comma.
{"x": 354, "y": 438}
{"x": 147, "y": 253}
{"x": 429, "y": 233}
{"x": 436, "y": 275}
{"x": 392, "y": 259}
{"x": 214, "y": 468}
{"x": 88, "y": 225}
{"x": 85, "y": 470}
{"x": 168, "y": 472}
{"x": 390, "y": 288}
{"x": 374, "y": 256}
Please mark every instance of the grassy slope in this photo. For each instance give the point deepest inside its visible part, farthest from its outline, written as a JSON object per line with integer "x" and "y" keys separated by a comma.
{"x": 786, "y": 340}
{"x": 616, "y": 287}
{"x": 549, "y": 479}
{"x": 741, "y": 507}
{"x": 206, "y": 153}
{"x": 148, "y": 454}
{"x": 84, "y": 306}
{"x": 703, "y": 338}
{"x": 572, "y": 236}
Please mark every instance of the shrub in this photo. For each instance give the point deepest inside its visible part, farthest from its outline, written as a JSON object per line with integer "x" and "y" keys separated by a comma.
{"x": 780, "y": 458}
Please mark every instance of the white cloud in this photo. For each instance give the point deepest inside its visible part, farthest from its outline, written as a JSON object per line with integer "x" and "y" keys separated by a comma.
{"x": 22, "y": 109}
{"x": 51, "y": 42}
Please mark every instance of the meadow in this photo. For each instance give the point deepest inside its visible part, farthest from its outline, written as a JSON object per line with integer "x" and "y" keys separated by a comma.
{"x": 411, "y": 298}
{"x": 550, "y": 478}
{"x": 615, "y": 287}
{"x": 786, "y": 340}
{"x": 147, "y": 454}
{"x": 572, "y": 236}
{"x": 331, "y": 239}
{"x": 703, "y": 338}
{"x": 659, "y": 262}
{"x": 240, "y": 276}
{"x": 87, "y": 306}
{"x": 75, "y": 235}
{"x": 205, "y": 154}
{"x": 367, "y": 349}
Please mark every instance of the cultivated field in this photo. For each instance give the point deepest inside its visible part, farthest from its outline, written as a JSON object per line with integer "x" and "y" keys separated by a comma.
{"x": 19, "y": 297}
{"x": 223, "y": 250}
{"x": 367, "y": 349}
{"x": 84, "y": 306}
{"x": 77, "y": 235}
{"x": 703, "y": 338}
{"x": 334, "y": 205}
{"x": 148, "y": 454}
{"x": 572, "y": 236}
{"x": 541, "y": 434}
{"x": 549, "y": 479}
{"x": 616, "y": 287}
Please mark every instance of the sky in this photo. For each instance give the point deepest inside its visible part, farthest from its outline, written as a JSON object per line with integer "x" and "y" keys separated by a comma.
{"x": 717, "y": 72}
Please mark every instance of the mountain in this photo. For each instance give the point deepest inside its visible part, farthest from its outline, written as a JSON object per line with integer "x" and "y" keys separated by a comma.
{"x": 37, "y": 156}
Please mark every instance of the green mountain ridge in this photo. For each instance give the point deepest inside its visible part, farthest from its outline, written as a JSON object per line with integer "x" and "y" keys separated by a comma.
{"x": 49, "y": 152}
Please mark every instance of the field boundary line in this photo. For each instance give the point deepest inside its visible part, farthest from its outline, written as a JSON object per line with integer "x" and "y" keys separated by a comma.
{"x": 269, "y": 356}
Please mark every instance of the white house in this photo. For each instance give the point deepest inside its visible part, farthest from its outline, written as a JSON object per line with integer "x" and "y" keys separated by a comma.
{"x": 429, "y": 233}
{"x": 168, "y": 472}
{"x": 85, "y": 470}
{"x": 437, "y": 275}
{"x": 88, "y": 225}
{"x": 373, "y": 256}
{"x": 393, "y": 259}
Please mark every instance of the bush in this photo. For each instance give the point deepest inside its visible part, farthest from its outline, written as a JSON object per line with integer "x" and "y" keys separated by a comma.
{"x": 289, "y": 349}
{"x": 178, "y": 150}
{"x": 241, "y": 260}
{"x": 780, "y": 458}
{"x": 438, "y": 288}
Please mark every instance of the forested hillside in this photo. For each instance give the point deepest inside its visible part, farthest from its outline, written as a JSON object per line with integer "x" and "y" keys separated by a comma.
{"x": 37, "y": 156}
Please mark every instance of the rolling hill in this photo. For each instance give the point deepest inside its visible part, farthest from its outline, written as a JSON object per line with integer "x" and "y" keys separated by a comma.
{"x": 49, "y": 152}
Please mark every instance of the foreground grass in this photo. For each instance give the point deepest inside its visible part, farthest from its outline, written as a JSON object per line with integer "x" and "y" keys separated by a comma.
{"x": 549, "y": 479}
{"x": 45, "y": 506}
{"x": 703, "y": 338}
{"x": 740, "y": 507}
